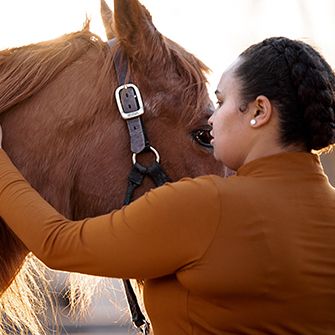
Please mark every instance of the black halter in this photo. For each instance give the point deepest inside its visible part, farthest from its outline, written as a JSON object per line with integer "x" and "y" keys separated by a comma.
{"x": 131, "y": 108}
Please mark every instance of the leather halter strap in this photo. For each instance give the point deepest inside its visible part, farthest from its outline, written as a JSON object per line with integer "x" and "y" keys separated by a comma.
{"x": 129, "y": 102}
{"x": 131, "y": 108}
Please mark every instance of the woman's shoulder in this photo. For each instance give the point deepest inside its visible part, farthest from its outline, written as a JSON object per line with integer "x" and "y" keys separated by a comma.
{"x": 202, "y": 186}
{"x": 207, "y": 184}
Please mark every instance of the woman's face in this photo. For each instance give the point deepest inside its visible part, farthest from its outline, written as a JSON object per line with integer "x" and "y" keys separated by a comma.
{"x": 231, "y": 126}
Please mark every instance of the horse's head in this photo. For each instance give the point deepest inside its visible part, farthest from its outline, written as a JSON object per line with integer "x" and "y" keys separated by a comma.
{"x": 173, "y": 86}
{"x": 62, "y": 127}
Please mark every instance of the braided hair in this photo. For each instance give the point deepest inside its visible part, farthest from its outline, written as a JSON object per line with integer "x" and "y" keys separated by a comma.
{"x": 300, "y": 84}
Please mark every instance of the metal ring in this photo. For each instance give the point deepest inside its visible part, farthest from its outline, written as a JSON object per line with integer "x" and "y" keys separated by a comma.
{"x": 152, "y": 149}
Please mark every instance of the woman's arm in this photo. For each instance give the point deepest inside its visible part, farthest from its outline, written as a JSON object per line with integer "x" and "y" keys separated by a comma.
{"x": 156, "y": 235}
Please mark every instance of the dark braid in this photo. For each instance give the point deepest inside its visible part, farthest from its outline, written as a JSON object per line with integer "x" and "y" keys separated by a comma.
{"x": 299, "y": 82}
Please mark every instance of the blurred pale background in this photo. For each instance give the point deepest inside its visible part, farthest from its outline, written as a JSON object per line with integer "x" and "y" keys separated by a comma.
{"x": 214, "y": 30}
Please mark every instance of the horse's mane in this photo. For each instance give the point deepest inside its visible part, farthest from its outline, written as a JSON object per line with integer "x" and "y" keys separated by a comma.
{"x": 25, "y": 70}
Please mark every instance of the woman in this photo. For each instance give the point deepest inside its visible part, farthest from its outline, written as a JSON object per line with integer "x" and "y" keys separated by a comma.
{"x": 250, "y": 254}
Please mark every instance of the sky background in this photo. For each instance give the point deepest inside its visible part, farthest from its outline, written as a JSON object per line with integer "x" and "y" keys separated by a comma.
{"x": 214, "y": 30}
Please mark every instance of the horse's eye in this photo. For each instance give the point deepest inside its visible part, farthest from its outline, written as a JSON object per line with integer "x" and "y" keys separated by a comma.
{"x": 203, "y": 137}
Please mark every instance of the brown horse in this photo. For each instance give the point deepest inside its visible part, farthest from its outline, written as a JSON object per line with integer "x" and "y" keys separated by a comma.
{"x": 62, "y": 128}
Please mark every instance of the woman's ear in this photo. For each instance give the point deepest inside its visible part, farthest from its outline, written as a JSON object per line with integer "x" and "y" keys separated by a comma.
{"x": 260, "y": 111}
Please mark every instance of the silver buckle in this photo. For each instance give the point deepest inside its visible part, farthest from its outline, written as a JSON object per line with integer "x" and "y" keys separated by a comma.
{"x": 135, "y": 96}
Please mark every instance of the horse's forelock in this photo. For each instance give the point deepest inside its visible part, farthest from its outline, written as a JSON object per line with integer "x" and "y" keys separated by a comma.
{"x": 179, "y": 74}
{"x": 193, "y": 88}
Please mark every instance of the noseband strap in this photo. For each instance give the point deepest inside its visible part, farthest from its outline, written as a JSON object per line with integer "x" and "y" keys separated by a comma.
{"x": 131, "y": 108}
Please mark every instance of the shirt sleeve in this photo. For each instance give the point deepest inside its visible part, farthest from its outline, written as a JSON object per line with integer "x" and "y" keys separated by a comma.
{"x": 160, "y": 233}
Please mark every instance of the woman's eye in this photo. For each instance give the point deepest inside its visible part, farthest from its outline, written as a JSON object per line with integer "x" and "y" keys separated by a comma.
{"x": 203, "y": 137}
{"x": 219, "y": 103}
